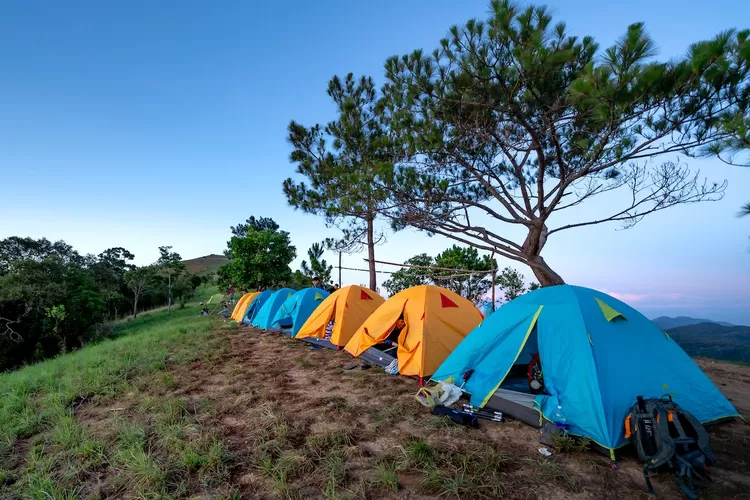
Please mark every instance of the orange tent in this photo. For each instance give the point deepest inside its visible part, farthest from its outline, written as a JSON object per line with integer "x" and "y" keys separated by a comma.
{"x": 437, "y": 320}
{"x": 242, "y": 305}
{"x": 348, "y": 307}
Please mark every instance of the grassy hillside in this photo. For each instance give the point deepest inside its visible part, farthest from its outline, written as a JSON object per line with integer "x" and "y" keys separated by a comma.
{"x": 206, "y": 264}
{"x": 710, "y": 340}
{"x": 184, "y": 406}
{"x": 100, "y": 422}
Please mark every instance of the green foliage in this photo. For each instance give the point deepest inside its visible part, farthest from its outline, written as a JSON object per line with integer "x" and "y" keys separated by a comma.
{"x": 471, "y": 286}
{"x": 511, "y": 283}
{"x": 463, "y": 281}
{"x": 318, "y": 266}
{"x": 727, "y": 57}
{"x": 511, "y": 120}
{"x": 170, "y": 266}
{"x": 410, "y": 276}
{"x": 16, "y": 248}
{"x": 241, "y": 230}
{"x": 261, "y": 258}
{"x": 139, "y": 280}
{"x": 341, "y": 162}
{"x": 46, "y": 307}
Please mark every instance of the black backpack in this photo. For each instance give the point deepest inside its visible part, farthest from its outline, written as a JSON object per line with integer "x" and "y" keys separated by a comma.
{"x": 667, "y": 437}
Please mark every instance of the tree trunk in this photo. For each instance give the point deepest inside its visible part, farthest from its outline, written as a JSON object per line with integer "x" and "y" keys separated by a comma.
{"x": 532, "y": 249}
{"x": 135, "y": 306}
{"x": 544, "y": 273}
{"x": 169, "y": 294}
{"x": 371, "y": 251}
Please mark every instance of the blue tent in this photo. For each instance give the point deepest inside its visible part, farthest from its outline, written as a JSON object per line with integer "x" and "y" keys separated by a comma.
{"x": 266, "y": 314}
{"x": 294, "y": 312}
{"x": 597, "y": 355}
{"x": 255, "y": 305}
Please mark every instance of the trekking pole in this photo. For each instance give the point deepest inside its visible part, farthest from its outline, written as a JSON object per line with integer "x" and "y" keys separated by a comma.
{"x": 482, "y": 411}
{"x": 485, "y": 416}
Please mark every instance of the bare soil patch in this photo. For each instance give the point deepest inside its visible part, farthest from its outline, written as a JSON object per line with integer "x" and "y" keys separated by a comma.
{"x": 298, "y": 425}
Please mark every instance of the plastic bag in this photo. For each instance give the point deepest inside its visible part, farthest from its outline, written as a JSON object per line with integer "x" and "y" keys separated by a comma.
{"x": 441, "y": 394}
{"x": 392, "y": 368}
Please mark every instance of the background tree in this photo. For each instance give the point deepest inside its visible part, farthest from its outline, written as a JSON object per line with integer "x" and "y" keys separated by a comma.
{"x": 170, "y": 266}
{"x": 511, "y": 283}
{"x": 341, "y": 162}
{"x": 411, "y": 276}
{"x": 46, "y": 306}
{"x": 256, "y": 224}
{"x": 109, "y": 272}
{"x": 511, "y": 121}
{"x": 17, "y": 248}
{"x": 471, "y": 286}
{"x": 730, "y": 76}
{"x": 261, "y": 259}
{"x": 318, "y": 266}
{"x": 138, "y": 281}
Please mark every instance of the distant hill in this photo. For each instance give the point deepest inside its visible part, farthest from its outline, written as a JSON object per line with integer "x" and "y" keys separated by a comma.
{"x": 710, "y": 340}
{"x": 665, "y": 322}
{"x": 204, "y": 265}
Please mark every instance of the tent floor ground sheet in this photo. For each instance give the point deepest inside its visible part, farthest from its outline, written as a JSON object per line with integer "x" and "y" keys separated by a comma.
{"x": 296, "y": 424}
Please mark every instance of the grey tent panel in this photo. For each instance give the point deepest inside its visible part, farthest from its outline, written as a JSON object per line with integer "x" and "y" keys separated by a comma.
{"x": 377, "y": 357}
{"x": 518, "y": 405}
{"x": 318, "y": 342}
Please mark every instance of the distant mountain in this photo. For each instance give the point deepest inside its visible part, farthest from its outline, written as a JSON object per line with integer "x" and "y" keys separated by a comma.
{"x": 206, "y": 264}
{"x": 710, "y": 340}
{"x": 665, "y": 322}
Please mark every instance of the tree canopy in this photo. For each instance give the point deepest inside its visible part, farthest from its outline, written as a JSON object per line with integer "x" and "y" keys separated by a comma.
{"x": 410, "y": 276}
{"x": 341, "y": 162}
{"x": 318, "y": 267}
{"x": 511, "y": 121}
{"x": 260, "y": 258}
{"x": 453, "y": 264}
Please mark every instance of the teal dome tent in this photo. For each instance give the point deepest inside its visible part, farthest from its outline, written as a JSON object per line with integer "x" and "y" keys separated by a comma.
{"x": 255, "y": 306}
{"x": 296, "y": 309}
{"x": 597, "y": 355}
{"x": 267, "y": 313}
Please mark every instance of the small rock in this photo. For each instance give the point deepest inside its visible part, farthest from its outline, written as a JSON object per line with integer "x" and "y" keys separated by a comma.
{"x": 351, "y": 365}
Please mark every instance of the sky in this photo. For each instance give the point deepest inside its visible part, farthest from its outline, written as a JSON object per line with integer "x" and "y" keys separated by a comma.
{"x": 148, "y": 123}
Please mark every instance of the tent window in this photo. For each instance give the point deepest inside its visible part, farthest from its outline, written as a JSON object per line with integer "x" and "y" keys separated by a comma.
{"x": 609, "y": 313}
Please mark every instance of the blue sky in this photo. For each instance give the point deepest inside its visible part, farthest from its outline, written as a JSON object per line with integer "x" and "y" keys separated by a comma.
{"x": 146, "y": 123}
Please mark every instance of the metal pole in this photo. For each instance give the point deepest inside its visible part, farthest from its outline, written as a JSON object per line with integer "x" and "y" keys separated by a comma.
{"x": 494, "y": 276}
{"x": 339, "y": 268}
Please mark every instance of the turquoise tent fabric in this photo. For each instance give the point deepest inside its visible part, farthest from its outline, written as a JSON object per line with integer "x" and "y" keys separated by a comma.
{"x": 255, "y": 305}
{"x": 296, "y": 309}
{"x": 597, "y": 353}
{"x": 266, "y": 314}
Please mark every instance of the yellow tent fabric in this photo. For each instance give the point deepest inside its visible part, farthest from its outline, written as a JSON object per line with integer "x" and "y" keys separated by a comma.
{"x": 437, "y": 320}
{"x": 242, "y": 304}
{"x": 349, "y": 307}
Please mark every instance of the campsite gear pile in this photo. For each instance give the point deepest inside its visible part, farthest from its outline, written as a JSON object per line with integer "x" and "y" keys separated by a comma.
{"x": 667, "y": 437}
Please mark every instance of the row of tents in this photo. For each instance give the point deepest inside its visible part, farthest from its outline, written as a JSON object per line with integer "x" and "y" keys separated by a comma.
{"x": 597, "y": 353}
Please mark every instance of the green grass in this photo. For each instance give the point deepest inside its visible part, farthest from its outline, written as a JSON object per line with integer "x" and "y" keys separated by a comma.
{"x": 154, "y": 450}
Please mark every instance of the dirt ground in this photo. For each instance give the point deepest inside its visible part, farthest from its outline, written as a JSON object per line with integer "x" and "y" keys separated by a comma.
{"x": 299, "y": 425}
